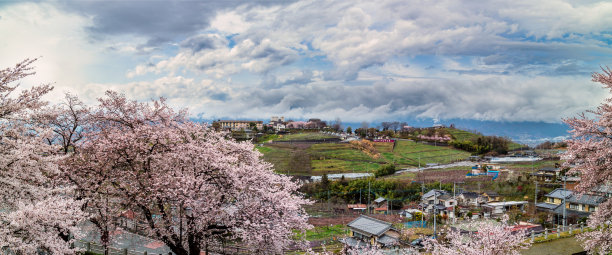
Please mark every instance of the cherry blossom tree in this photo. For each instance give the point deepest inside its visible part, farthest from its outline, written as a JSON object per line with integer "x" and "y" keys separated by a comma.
{"x": 589, "y": 154}
{"x": 36, "y": 212}
{"x": 195, "y": 188}
{"x": 69, "y": 121}
{"x": 489, "y": 239}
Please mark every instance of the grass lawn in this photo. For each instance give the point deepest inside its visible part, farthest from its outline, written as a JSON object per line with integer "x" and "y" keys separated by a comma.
{"x": 568, "y": 245}
{"x": 267, "y": 137}
{"x": 325, "y": 232}
{"x": 340, "y": 151}
{"x": 411, "y": 153}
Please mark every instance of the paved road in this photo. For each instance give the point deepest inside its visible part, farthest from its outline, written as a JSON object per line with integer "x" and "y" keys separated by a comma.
{"x": 456, "y": 164}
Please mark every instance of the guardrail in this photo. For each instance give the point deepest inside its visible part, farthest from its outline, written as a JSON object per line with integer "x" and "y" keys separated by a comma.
{"x": 98, "y": 248}
{"x": 557, "y": 232}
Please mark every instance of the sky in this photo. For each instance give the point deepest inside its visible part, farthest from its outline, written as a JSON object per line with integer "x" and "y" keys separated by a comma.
{"x": 471, "y": 61}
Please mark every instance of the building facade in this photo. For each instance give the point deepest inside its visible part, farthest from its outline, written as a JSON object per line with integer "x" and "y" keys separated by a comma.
{"x": 236, "y": 125}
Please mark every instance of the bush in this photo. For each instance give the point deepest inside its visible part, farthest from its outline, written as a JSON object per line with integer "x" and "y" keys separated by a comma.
{"x": 388, "y": 169}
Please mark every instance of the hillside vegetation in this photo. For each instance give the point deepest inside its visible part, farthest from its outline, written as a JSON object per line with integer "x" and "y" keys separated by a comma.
{"x": 327, "y": 158}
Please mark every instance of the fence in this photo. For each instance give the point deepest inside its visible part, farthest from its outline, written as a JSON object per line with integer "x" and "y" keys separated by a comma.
{"x": 97, "y": 248}
{"x": 557, "y": 232}
{"x": 217, "y": 249}
{"x": 416, "y": 224}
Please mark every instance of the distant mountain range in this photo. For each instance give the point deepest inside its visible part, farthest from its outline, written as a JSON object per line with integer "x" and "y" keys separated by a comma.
{"x": 530, "y": 133}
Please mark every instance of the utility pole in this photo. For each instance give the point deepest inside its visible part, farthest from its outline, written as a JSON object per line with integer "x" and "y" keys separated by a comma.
{"x": 434, "y": 212}
{"x": 535, "y": 201}
{"x": 369, "y": 191}
{"x": 454, "y": 204}
{"x": 564, "y": 201}
{"x": 422, "y": 199}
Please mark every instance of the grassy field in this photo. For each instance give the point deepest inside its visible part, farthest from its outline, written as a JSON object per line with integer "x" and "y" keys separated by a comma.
{"x": 326, "y": 232}
{"x": 328, "y": 158}
{"x": 461, "y": 135}
{"x": 528, "y": 166}
{"x": 409, "y": 153}
{"x": 560, "y": 246}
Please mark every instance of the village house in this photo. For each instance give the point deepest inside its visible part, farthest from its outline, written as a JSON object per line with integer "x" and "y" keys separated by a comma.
{"x": 496, "y": 209}
{"x": 547, "y": 174}
{"x": 440, "y": 200}
{"x": 490, "y": 196}
{"x": 380, "y": 205}
{"x": 366, "y": 230}
{"x": 577, "y": 206}
{"x": 469, "y": 199}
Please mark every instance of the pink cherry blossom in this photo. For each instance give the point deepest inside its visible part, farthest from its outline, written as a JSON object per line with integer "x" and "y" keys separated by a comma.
{"x": 195, "y": 189}
{"x": 589, "y": 155}
{"x": 37, "y": 212}
{"x": 489, "y": 239}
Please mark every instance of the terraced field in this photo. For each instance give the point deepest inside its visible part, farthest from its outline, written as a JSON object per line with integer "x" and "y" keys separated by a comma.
{"x": 326, "y": 158}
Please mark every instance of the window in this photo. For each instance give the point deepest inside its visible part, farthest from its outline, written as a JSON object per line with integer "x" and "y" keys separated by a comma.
{"x": 573, "y": 206}
{"x": 592, "y": 208}
{"x": 551, "y": 200}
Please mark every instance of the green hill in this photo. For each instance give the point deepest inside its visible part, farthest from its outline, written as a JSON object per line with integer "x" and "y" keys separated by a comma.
{"x": 326, "y": 158}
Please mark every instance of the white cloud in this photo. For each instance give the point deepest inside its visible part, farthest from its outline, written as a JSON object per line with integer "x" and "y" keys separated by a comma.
{"x": 358, "y": 60}
{"x": 31, "y": 30}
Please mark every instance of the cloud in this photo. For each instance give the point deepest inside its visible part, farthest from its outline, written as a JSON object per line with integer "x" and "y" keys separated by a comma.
{"x": 358, "y": 60}
{"x": 158, "y": 21}
{"x": 488, "y": 99}
{"x": 364, "y": 34}
{"x": 46, "y": 32}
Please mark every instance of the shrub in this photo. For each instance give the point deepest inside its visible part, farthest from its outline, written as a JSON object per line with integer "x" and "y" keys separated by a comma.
{"x": 388, "y": 169}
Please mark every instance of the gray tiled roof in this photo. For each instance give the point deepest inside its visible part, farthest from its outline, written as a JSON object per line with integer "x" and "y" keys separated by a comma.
{"x": 369, "y": 225}
{"x": 431, "y": 193}
{"x": 445, "y": 197}
{"x": 352, "y": 242}
{"x": 585, "y": 199}
{"x": 469, "y": 194}
{"x": 387, "y": 240}
{"x": 560, "y": 193}
{"x": 440, "y": 207}
{"x": 547, "y": 206}
{"x": 604, "y": 188}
